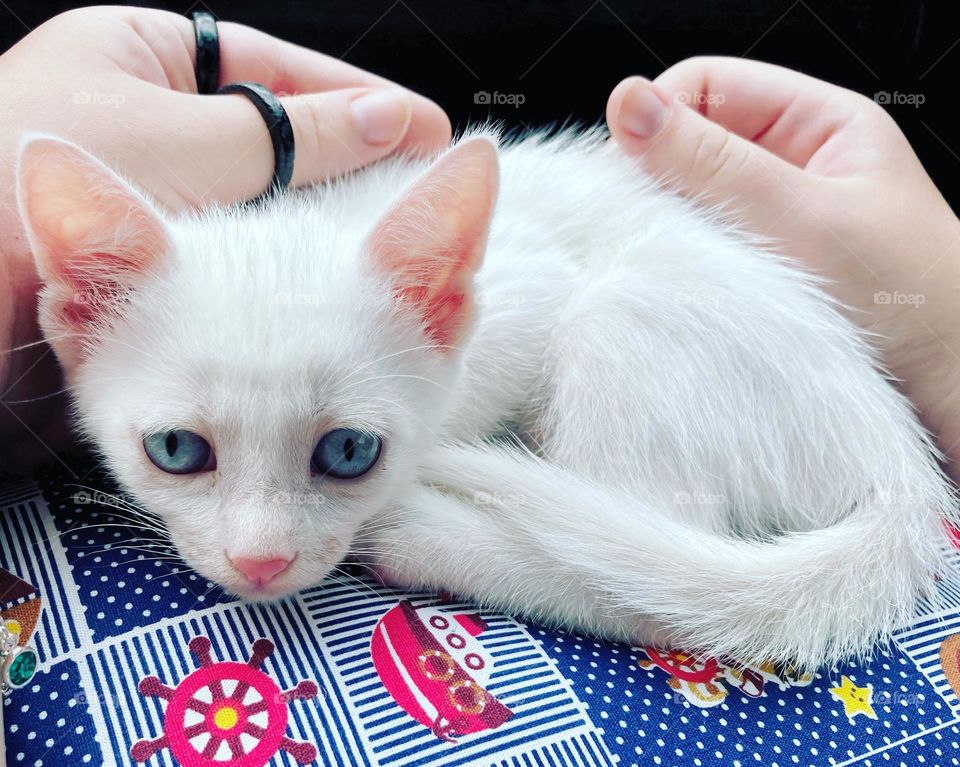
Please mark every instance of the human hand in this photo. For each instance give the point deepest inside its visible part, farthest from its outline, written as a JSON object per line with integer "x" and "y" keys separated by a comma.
{"x": 120, "y": 82}
{"x": 830, "y": 177}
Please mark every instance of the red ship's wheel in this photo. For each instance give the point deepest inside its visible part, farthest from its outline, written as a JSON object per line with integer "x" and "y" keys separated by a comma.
{"x": 226, "y": 714}
{"x": 254, "y": 708}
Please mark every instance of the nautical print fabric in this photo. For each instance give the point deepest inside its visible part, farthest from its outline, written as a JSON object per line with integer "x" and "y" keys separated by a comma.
{"x": 144, "y": 662}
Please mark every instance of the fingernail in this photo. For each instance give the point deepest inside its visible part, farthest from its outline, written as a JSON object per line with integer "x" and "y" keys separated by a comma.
{"x": 643, "y": 111}
{"x": 381, "y": 117}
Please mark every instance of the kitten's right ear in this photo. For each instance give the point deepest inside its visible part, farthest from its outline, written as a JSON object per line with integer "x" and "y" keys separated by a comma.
{"x": 93, "y": 237}
{"x": 432, "y": 241}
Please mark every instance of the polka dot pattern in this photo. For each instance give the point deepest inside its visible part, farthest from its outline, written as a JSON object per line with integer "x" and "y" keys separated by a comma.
{"x": 49, "y": 723}
{"x": 126, "y": 579}
{"x": 646, "y": 722}
{"x": 126, "y": 576}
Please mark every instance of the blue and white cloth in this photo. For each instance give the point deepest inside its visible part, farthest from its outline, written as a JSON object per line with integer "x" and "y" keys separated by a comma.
{"x": 411, "y": 680}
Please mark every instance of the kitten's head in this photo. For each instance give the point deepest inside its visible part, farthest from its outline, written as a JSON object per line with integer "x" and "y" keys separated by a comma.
{"x": 264, "y": 380}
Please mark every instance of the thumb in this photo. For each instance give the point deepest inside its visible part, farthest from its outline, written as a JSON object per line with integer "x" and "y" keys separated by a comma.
{"x": 700, "y": 157}
{"x": 335, "y": 132}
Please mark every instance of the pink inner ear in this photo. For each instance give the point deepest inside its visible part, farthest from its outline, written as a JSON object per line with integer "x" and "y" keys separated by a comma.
{"x": 443, "y": 316}
{"x": 92, "y": 234}
{"x": 431, "y": 243}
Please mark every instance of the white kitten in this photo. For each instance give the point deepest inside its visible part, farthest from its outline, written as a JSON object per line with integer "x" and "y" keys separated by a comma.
{"x": 717, "y": 460}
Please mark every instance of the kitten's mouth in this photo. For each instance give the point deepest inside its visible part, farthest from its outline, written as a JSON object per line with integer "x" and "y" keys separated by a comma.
{"x": 260, "y": 594}
{"x": 262, "y": 579}
{"x": 295, "y": 576}
{"x": 273, "y": 577}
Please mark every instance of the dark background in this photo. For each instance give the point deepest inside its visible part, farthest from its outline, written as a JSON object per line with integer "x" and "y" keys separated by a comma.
{"x": 565, "y": 57}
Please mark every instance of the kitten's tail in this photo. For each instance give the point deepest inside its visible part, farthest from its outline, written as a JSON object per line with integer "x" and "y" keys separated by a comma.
{"x": 810, "y": 597}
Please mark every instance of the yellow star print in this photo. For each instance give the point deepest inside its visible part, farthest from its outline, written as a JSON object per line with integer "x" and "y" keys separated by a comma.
{"x": 856, "y": 700}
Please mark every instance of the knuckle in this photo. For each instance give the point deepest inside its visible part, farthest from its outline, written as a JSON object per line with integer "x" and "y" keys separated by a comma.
{"x": 70, "y": 19}
{"x": 863, "y": 107}
{"x": 860, "y": 102}
{"x": 321, "y": 132}
{"x": 715, "y": 155}
{"x": 689, "y": 71}
{"x": 313, "y": 123}
{"x": 692, "y": 63}
{"x": 85, "y": 15}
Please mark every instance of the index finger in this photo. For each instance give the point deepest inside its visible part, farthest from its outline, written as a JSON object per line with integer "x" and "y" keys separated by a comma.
{"x": 248, "y": 54}
{"x": 788, "y": 113}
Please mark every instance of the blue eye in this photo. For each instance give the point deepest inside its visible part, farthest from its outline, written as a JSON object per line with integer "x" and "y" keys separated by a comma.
{"x": 345, "y": 453}
{"x": 179, "y": 451}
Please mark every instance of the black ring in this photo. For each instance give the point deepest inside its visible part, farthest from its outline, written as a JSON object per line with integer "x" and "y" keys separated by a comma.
{"x": 207, "y": 68}
{"x": 281, "y": 131}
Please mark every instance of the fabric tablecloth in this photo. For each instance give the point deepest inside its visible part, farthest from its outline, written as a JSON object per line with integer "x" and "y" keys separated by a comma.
{"x": 144, "y": 662}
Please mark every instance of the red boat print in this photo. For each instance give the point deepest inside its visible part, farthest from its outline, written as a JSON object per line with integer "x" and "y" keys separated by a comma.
{"x": 435, "y": 669}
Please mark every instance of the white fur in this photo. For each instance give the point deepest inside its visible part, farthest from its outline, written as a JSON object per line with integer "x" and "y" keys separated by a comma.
{"x": 714, "y": 457}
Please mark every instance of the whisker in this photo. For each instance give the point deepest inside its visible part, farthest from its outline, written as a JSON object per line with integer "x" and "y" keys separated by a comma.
{"x": 338, "y": 570}
{"x": 386, "y": 376}
{"x": 397, "y": 354}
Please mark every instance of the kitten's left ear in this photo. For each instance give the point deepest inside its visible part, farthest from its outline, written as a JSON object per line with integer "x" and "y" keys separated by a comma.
{"x": 93, "y": 237}
{"x": 432, "y": 242}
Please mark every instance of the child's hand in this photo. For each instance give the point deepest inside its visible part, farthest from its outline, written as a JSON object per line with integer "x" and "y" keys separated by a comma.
{"x": 120, "y": 82}
{"x": 829, "y": 175}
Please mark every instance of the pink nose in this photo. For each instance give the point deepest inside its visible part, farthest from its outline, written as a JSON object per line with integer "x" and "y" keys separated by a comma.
{"x": 259, "y": 571}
